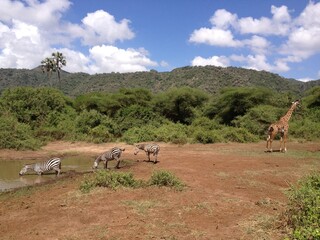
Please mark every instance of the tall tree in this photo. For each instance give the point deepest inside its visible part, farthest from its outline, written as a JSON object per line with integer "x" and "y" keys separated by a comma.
{"x": 59, "y": 61}
{"x": 47, "y": 66}
{"x": 54, "y": 64}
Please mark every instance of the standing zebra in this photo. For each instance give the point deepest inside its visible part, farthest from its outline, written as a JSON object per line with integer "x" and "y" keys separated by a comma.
{"x": 41, "y": 167}
{"x": 148, "y": 148}
{"x": 113, "y": 154}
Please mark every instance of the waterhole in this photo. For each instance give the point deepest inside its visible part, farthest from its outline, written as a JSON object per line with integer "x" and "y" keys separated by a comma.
{"x": 9, "y": 171}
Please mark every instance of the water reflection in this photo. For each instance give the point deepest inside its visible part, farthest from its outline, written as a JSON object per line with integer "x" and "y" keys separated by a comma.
{"x": 9, "y": 171}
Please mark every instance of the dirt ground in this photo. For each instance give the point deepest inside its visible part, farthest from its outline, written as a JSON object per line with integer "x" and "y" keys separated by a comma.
{"x": 234, "y": 191}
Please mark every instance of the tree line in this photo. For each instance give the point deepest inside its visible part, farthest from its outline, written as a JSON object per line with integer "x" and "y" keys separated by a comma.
{"x": 31, "y": 117}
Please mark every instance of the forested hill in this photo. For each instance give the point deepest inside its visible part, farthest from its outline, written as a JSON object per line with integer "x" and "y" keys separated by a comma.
{"x": 210, "y": 79}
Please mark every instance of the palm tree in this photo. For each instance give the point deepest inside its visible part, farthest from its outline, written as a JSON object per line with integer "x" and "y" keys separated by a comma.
{"x": 47, "y": 65}
{"x": 59, "y": 62}
{"x": 54, "y": 64}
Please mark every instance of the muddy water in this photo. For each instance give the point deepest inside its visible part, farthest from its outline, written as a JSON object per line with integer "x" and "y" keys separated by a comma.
{"x": 9, "y": 172}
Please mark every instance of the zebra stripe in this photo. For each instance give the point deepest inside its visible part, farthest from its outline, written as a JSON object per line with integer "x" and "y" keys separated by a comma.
{"x": 113, "y": 154}
{"x": 149, "y": 148}
{"x": 42, "y": 167}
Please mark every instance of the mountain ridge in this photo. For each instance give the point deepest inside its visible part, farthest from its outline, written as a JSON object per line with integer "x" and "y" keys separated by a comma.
{"x": 208, "y": 78}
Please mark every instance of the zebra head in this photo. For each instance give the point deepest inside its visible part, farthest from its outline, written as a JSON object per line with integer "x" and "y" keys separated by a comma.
{"x": 24, "y": 170}
{"x": 138, "y": 147}
{"x": 95, "y": 165}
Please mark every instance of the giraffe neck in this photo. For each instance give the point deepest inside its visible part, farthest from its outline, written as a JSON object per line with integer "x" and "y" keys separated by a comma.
{"x": 286, "y": 118}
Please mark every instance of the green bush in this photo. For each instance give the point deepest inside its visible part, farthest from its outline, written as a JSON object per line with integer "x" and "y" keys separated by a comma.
{"x": 204, "y": 136}
{"x": 304, "y": 208}
{"x": 115, "y": 180}
{"x": 16, "y": 135}
{"x": 232, "y": 134}
{"x": 33, "y": 105}
{"x": 167, "y": 179}
{"x": 139, "y": 134}
{"x": 95, "y": 127}
{"x": 109, "y": 179}
{"x": 171, "y": 132}
{"x": 258, "y": 119}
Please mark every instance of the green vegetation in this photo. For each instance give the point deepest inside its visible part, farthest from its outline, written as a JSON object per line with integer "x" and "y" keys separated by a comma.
{"x": 304, "y": 208}
{"x": 167, "y": 179}
{"x": 109, "y": 179}
{"x": 210, "y": 79}
{"x": 115, "y": 180}
{"x": 31, "y": 117}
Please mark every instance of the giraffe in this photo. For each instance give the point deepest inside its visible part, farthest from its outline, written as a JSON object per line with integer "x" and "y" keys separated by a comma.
{"x": 281, "y": 127}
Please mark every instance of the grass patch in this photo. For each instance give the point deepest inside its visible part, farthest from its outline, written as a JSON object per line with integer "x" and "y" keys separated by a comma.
{"x": 164, "y": 178}
{"x": 115, "y": 179}
{"x": 259, "y": 227}
{"x": 109, "y": 179}
{"x": 141, "y": 207}
{"x": 303, "y": 213}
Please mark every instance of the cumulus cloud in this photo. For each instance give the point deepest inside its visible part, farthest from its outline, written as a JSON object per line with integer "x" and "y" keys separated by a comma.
{"x": 33, "y": 29}
{"x": 101, "y": 27}
{"x": 281, "y": 38}
{"x": 110, "y": 58}
{"x": 214, "y": 37}
{"x": 277, "y": 25}
{"x": 304, "y": 39}
{"x": 219, "y": 61}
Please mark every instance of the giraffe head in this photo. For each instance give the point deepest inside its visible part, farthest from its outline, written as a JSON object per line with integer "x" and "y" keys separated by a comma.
{"x": 295, "y": 104}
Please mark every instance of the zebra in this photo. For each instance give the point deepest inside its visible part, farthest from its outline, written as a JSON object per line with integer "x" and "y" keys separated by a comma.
{"x": 113, "y": 154}
{"x": 148, "y": 148}
{"x": 41, "y": 167}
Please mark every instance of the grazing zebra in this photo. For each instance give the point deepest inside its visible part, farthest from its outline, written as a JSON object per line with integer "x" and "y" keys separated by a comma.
{"x": 113, "y": 154}
{"x": 148, "y": 148}
{"x": 41, "y": 167}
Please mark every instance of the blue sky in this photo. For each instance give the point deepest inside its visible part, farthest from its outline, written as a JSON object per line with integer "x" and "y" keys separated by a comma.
{"x": 101, "y": 36}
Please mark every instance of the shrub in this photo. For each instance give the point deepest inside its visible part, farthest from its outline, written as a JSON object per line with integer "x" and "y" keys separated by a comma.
{"x": 16, "y": 135}
{"x": 167, "y": 179}
{"x": 205, "y": 136}
{"x": 109, "y": 179}
{"x": 233, "y": 134}
{"x": 139, "y": 134}
{"x": 94, "y": 126}
{"x": 115, "y": 180}
{"x": 32, "y": 105}
{"x": 171, "y": 132}
{"x": 304, "y": 205}
{"x": 258, "y": 119}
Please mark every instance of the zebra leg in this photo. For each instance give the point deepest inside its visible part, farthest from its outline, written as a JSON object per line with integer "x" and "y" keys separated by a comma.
{"x": 58, "y": 170}
{"x": 118, "y": 162}
{"x": 148, "y": 154}
{"x": 155, "y": 157}
{"x": 106, "y": 164}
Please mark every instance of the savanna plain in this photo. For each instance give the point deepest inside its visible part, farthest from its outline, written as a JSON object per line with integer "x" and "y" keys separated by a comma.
{"x": 233, "y": 191}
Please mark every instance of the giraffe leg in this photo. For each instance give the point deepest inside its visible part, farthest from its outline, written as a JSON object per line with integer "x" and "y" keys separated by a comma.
{"x": 285, "y": 142}
{"x": 281, "y": 143}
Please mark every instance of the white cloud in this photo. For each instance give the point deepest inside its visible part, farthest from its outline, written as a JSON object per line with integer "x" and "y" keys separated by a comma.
{"x": 258, "y": 44}
{"x": 214, "y": 37}
{"x": 219, "y": 61}
{"x": 31, "y": 29}
{"x": 304, "y": 40}
{"x": 305, "y": 79}
{"x": 279, "y": 24}
{"x": 41, "y": 13}
{"x": 100, "y": 27}
{"x": 22, "y": 46}
{"x": 223, "y": 19}
{"x": 112, "y": 59}
{"x": 281, "y": 38}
